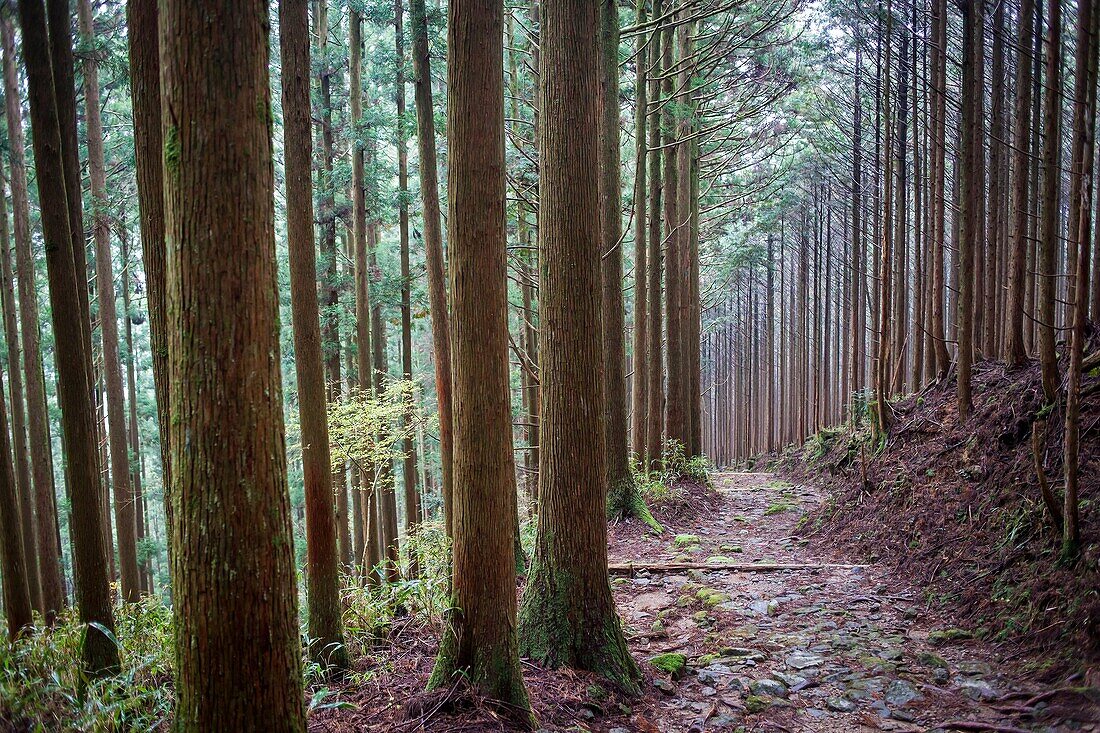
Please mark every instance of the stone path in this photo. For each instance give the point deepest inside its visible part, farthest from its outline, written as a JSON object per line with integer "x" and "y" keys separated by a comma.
{"x": 830, "y": 649}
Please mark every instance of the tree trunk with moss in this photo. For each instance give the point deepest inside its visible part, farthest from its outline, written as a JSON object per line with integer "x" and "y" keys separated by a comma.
{"x": 48, "y": 544}
{"x": 238, "y": 656}
{"x": 322, "y": 551}
{"x": 479, "y": 641}
{"x": 93, "y": 596}
{"x": 623, "y": 497}
{"x": 568, "y": 616}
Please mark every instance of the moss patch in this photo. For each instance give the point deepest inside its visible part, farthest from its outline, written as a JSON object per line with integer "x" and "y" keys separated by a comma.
{"x": 672, "y": 663}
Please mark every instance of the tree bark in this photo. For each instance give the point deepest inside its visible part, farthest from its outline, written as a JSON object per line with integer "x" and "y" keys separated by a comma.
{"x": 480, "y": 640}
{"x": 49, "y": 545}
{"x": 413, "y": 514}
{"x": 125, "y": 517}
{"x": 141, "y": 27}
{"x": 568, "y": 616}
{"x": 17, "y": 596}
{"x": 655, "y": 412}
{"x": 322, "y": 550}
{"x": 639, "y": 390}
{"x": 22, "y": 471}
{"x": 1083, "y": 166}
{"x": 1052, "y": 178}
{"x": 433, "y": 246}
{"x": 1014, "y": 353}
{"x": 93, "y": 596}
{"x": 623, "y": 498}
{"x": 235, "y": 603}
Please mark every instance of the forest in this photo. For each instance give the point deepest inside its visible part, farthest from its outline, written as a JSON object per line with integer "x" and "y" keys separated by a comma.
{"x": 554, "y": 365}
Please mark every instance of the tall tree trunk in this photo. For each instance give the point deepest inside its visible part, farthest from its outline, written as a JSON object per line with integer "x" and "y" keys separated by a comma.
{"x": 622, "y": 494}
{"x": 372, "y": 553}
{"x": 322, "y": 551}
{"x": 655, "y": 388}
{"x": 125, "y": 519}
{"x": 408, "y": 447}
{"x": 235, "y": 602}
{"x": 17, "y": 596}
{"x": 972, "y": 185}
{"x": 674, "y": 277}
{"x": 1045, "y": 275}
{"x": 639, "y": 387}
{"x": 22, "y": 470}
{"x": 144, "y": 572}
{"x": 433, "y": 246}
{"x": 330, "y": 280}
{"x": 93, "y": 595}
{"x": 1014, "y": 353}
{"x": 1083, "y": 167}
{"x": 64, "y": 74}
{"x": 141, "y": 28}
{"x": 568, "y": 615}
{"x": 48, "y": 542}
{"x": 480, "y": 642}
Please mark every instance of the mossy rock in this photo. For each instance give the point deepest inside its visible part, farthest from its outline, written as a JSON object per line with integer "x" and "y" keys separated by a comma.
{"x": 711, "y": 597}
{"x": 706, "y": 660}
{"x": 932, "y": 660}
{"x": 758, "y": 703}
{"x": 672, "y": 663}
{"x": 716, "y": 559}
{"x": 945, "y": 635}
{"x": 657, "y": 627}
{"x": 685, "y": 540}
{"x": 729, "y": 548}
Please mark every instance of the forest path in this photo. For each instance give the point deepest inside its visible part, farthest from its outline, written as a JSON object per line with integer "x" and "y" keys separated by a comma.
{"x": 825, "y": 649}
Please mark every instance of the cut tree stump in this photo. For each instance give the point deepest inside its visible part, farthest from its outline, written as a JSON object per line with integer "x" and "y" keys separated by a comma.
{"x": 629, "y": 568}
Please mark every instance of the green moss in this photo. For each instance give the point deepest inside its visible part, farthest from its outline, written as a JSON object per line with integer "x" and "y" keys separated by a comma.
{"x": 945, "y": 635}
{"x": 685, "y": 540}
{"x": 778, "y": 508}
{"x": 562, "y": 625}
{"x": 172, "y": 152}
{"x": 757, "y": 703}
{"x": 625, "y": 500}
{"x": 672, "y": 663}
{"x": 711, "y": 597}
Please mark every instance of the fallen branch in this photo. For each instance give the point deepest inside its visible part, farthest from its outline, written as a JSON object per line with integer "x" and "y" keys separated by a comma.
{"x": 629, "y": 568}
{"x": 978, "y": 727}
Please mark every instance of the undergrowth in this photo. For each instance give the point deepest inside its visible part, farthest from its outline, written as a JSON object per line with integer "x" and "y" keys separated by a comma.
{"x": 43, "y": 688}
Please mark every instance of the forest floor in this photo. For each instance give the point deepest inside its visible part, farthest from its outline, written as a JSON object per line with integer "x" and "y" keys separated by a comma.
{"x": 840, "y": 647}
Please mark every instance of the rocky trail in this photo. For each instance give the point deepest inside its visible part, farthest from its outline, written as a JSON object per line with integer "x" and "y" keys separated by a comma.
{"x": 837, "y": 647}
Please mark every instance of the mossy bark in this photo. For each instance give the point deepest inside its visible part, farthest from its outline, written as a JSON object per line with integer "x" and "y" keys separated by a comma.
{"x": 568, "y": 616}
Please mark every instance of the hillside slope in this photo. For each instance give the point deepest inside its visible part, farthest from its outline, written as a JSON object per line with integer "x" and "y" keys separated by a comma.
{"x": 958, "y": 509}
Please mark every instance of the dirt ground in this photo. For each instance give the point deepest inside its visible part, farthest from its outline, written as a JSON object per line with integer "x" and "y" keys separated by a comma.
{"x": 840, "y": 647}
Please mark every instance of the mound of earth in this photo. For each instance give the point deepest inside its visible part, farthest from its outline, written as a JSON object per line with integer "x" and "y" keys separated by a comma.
{"x": 957, "y": 509}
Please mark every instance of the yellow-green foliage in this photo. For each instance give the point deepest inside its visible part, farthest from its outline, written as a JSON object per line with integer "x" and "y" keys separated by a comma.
{"x": 367, "y": 428}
